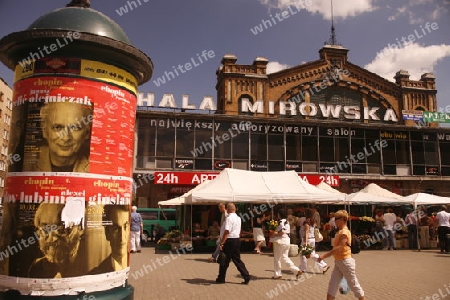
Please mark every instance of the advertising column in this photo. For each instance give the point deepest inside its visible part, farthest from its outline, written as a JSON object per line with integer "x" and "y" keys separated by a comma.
{"x": 69, "y": 186}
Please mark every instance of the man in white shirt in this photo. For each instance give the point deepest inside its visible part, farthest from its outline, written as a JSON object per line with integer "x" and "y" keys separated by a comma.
{"x": 389, "y": 221}
{"x": 230, "y": 244}
{"x": 443, "y": 228}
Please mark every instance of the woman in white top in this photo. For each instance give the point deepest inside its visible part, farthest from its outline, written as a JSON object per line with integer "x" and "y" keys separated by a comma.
{"x": 308, "y": 238}
{"x": 282, "y": 241}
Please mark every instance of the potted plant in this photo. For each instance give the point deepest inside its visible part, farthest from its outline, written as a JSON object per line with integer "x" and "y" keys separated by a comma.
{"x": 163, "y": 244}
{"x": 272, "y": 225}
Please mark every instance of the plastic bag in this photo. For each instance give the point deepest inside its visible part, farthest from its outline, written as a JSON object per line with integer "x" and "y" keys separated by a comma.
{"x": 343, "y": 287}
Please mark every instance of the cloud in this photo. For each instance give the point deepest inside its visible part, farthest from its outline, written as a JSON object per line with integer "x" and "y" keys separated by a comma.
{"x": 418, "y": 10}
{"x": 414, "y": 58}
{"x": 341, "y": 8}
{"x": 274, "y": 66}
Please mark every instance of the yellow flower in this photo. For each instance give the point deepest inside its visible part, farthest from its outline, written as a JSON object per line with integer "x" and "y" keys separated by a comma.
{"x": 272, "y": 225}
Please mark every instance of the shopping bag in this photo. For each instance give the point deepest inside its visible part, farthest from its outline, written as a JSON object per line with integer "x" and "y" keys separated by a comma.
{"x": 343, "y": 287}
{"x": 317, "y": 235}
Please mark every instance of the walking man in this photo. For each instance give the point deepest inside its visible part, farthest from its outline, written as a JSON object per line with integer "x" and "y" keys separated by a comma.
{"x": 136, "y": 229}
{"x": 230, "y": 244}
{"x": 443, "y": 228}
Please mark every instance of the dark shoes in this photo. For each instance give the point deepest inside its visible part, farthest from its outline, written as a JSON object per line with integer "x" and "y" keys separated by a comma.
{"x": 220, "y": 281}
{"x": 246, "y": 280}
{"x": 139, "y": 251}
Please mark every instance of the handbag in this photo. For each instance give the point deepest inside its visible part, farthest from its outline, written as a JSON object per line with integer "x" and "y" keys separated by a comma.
{"x": 221, "y": 258}
{"x": 317, "y": 235}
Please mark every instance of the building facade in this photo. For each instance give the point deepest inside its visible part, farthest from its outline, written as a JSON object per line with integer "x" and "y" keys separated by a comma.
{"x": 5, "y": 121}
{"x": 327, "y": 119}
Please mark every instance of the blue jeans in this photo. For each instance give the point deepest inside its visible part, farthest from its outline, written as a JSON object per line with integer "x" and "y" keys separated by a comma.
{"x": 389, "y": 240}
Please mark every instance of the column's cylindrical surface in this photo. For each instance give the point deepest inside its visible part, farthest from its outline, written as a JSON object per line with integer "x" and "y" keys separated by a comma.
{"x": 69, "y": 183}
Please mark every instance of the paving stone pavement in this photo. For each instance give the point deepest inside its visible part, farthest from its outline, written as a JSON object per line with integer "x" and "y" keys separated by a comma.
{"x": 396, "y": 275}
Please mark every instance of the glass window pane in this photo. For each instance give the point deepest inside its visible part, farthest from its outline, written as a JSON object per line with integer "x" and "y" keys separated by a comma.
{"x": 204, "y": 146}
{"x": 375, "y": 146}
{"x": 276, "y": 166}
{"x": 417, "y": 153}
{"x": 240, "y": 146}
{"x": 146, "y": 142}
{"x": 389, "y": 152}
{"x": 293, "y": 147}
{"x": 431, "y": 154}
{"x": 258, "y": 146}
{"x": 185, "y": 144}
{"x": 326, "y": 148}
{"x": 165, "y": 142}
{"x": 223, "y": 136}
{"x": 309, "y": 148}
{"x": 358, "y": 146}
{"x": 445, "y": 153}
{"x": 419, "y": 170}
{"x": 275, "y": 144}
{"x": 342, "y": 148}
{"x": 203, "y": 164}
{"x": 402, "y": 152}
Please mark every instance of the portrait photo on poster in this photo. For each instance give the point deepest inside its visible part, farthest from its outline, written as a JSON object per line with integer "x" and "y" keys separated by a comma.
{"x": 116, "y": 223}
{"x": 58, "y": 137}
{"x": 59, "y": 228}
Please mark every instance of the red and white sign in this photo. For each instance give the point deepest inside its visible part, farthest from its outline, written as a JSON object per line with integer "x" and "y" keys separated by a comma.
{"x": 198, "y": 177}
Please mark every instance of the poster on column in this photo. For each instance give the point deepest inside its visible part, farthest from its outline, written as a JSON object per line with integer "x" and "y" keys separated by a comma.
{"x": 69, "y": 184}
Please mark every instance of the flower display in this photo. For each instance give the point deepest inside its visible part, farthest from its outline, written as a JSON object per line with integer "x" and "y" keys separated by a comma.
{"x": 163, "y": 241}
{"x": 272, "y": 225}
{"x": 305, "y": 250}
{"x": 367, "y": 219}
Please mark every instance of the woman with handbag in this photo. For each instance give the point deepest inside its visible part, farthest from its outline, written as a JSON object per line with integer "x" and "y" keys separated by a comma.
{"x": 309, "y": 238}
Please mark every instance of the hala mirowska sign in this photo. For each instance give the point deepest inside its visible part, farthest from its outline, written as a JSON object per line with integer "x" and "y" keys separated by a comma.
{"x": 325, "y": 111}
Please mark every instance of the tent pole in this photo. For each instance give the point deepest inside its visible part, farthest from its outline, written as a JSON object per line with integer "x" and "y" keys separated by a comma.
{"x": 417, "y": 227}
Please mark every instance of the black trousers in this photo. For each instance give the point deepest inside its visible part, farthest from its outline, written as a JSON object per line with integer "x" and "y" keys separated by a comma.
{"x": 232, "y": 249}
{"x": 442, "y": 232}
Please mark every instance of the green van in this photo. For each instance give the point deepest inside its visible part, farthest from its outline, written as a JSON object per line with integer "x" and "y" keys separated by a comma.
{"x": 165, "y": 217}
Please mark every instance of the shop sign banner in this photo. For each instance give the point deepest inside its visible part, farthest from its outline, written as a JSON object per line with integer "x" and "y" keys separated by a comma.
{"x": 414, "y": 115}
{"x": 194, "y": 178}
{"x": 437, "y": 117}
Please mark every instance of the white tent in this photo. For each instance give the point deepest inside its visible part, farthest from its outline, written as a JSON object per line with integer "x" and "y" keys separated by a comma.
{"x": 259, "y": 187}
{"x": 374, "y": 194}
{"x": 324, "y": 186}
{"x": 427, "y": 199}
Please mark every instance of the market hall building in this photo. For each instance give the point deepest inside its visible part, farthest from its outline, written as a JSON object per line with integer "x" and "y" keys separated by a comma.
{"x": 327, "y": 119}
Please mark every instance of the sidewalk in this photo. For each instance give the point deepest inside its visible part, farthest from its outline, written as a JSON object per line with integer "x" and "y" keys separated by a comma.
{"x": 391, "y": 275}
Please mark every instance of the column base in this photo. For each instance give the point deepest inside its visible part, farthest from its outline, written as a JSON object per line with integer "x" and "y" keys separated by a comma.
{"x": 119, "y": 293}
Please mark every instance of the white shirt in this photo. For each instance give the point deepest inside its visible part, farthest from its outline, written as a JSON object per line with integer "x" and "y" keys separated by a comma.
{"x": 233, "y": 225}
{"x": 283, "y": 226}
{"x": 389, "y": 220}
{"x": 443, "y": 218}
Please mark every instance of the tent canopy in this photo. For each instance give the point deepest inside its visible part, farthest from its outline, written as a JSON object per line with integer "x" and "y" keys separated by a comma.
{"x": 374, "y": 194}
{"x": 427, "y": 199}
{"x": 258, "y": 187}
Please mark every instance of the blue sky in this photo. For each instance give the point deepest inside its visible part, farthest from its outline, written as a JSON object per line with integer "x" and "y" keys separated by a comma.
{"x": 173, "y": 32}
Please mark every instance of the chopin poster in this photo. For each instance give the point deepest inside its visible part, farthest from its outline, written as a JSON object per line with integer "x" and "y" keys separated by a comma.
{"x": 69, "y": 183}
